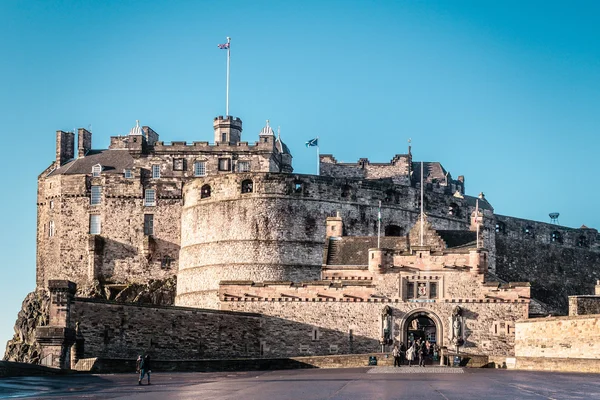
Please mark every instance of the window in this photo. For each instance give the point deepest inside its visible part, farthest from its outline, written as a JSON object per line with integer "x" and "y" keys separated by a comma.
{"x": 51, "y": 204}
{"x": 410, "y": 290}
{"x": 205, "y": 191}
{"x": 224, "y": 164}
{"x": 96, "y": 197}
{"x": 178, "y": 164}
{"x": 393, "y": 230}
{"x": 166, "y": 262}
{"x": 556, "y": 237}
{"x": 95, "y": 224}
{"x": 582, "y": 241}
{"x": 200, "y": 168}
{"x": 433, "y": 290}
{"x": 247, "y": 186}
{"x": 421, "y": 290}
{"x": 148, "y": 224}
{"x": 297, "y": 187}
{"x": 346, "y": 191}
{"x": 528, "y": 231}
{"x": 51, "y": 229}
{"x": 454, "y": 210}
{"x": 500, "y": 227}
{"x": 96, "y": 170}
{"x": 223, "y": 137}
{"x": 315, "y": 334}
{"x": 155, "y": 171}
{"x": 150, "y": 197}
{"x": 128, "y": 174}
{"x": 243, "y": 166}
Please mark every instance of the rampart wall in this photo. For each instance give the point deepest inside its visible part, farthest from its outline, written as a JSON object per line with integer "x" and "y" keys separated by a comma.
{"x": 556, "y": 266}
{"x": 277, "y": 231}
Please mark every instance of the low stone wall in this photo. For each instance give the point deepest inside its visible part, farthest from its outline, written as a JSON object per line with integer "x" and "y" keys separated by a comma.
{"x": 8, "y": 368}
{"x": 590, "y": 365}
{"x": 574, "y": 337}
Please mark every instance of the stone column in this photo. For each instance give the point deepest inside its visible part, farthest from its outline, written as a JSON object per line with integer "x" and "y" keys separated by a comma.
{"x": 57, "y": 338}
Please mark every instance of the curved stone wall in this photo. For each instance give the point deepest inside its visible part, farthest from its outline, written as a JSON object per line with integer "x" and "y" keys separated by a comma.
{"x": 277, "y": 231}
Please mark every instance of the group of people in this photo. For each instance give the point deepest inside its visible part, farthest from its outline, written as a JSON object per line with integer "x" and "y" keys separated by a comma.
{"x": 419, "y": 350}
{"x": 143, "y": 367}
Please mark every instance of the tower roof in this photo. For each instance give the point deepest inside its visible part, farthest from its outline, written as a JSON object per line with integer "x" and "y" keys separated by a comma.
{"x": 267, "y": 130}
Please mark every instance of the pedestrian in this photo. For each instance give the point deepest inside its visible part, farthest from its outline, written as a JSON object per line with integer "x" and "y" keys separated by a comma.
{"x": 396, "y": 355}
{"x": 138, "y": 363}
{"x": 145, "y": 368}
{"x": 421, "y": 351}
{"x": 402, "y": 353}
{"x": 410, "y": 354}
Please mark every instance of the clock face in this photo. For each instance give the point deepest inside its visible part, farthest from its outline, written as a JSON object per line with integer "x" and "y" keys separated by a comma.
{"x": 422, "y": 290}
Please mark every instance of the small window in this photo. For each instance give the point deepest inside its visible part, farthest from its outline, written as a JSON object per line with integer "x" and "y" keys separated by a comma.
{"x": 582, "y": 241}
{"x": 346, "y": 191}
{"x": 155, "y": 171}
{"x": 433, "y": 290}
{"x": 500, "y": 227}
{"x": 223, "y": 137}
{"x": 410, "y": 290}
{"x": 96, "y": 196}
{"x": 528, "y": 231}
{"x": 96, "y": 170}
{"x": 51, "y": 204}
{"x": 247, "y": 186}
{"x": 243, "y": 166}
{"x": 178, "y": 164}
{"x": 148, "y": 224}
{"x": 150, "y": 197}
{"x": 51, "y": 229}
{"x": 166, "y": 262}
{"x": 556, "y": 237}
{"x": 454, "y": 210}
{"x": 205, "y": 192}
{"x": 200, "y": 168}
{"x": 393, "y": 230}
{"x": 128, "y": 174}
{"x": 95, "y": 228}
{"x": 297, "y": 187}
{"x": 315, "y": 334}
{"x": 224, "y": 164}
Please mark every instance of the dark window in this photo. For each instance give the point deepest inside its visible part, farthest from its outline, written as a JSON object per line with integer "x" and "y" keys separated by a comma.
{"x": 528, "y": 231}
{"x": 247, "y": 186}
{"x": 223, "y": 137}
{"x": 166, "y": 262}
{"x": 205, "y": 192}
{"x": 148, "y": 224}
{"x": 224, "y": 164}
{"x": 582, "y": 241}
{"x": 556, "y": 237}
{"x": 433, "y": 290}
{"x": 393, "y": 230}
{"x": 346, "y": 191}
{"x": 178, "y": 164}
{"x": 500, "y": 227}
{"x": 454, "y": 210}
{"x": 297, "y": 187}
{"x": 410, "y": 290}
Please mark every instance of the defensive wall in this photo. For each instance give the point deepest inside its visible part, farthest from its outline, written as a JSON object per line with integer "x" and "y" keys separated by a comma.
{"x": 276, "y": 231}
{"x": 558, "y": 261}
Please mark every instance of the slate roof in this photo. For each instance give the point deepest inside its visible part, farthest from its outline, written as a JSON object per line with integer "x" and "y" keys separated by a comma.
{"x": 112, "y": 161}
{"x": 431, "y": 170}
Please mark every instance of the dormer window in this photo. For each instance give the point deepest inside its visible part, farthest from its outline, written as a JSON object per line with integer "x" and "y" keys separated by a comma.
{"x": 96, "y": 170}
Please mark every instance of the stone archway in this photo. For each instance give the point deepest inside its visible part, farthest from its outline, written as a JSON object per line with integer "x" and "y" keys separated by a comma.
{"x": 422, "y": 314}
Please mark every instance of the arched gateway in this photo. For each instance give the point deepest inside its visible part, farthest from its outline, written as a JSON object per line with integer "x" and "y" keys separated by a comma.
{"x": 421, "y": 323}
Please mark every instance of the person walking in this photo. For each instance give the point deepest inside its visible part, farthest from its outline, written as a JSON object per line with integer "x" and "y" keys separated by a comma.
{"x": 421, "y": 352}
{"x": 402, "y": 353}
{"x": 396, "y": 355}
{"x": 145, "y": 368}
{"x": 410, "y": 354}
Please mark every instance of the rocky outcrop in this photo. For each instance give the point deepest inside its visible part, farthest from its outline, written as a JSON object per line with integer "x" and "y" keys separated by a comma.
{"x": 34, "y": 312}
{"x": 158, "y": 292}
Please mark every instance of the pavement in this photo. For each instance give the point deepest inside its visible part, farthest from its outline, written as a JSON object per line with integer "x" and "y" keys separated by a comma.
{"x": 314, "y": 384}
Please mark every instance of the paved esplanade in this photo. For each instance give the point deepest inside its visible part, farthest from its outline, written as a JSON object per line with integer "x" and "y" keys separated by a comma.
{"x": 344, "y": 384}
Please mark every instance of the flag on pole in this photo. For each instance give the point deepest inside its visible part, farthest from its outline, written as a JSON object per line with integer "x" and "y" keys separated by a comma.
{"x": 223, "y": 46}
{"x": 312, "y": 142}
{"x": 379, "y": 212}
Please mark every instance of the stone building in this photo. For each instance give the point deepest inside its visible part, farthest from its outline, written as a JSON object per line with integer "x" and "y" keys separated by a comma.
{"x": 142, "y": 214}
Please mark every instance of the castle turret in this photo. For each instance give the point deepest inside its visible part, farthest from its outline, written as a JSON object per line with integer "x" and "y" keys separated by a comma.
{"x": 227, "y": 129}
{"x": 335, "y": 226}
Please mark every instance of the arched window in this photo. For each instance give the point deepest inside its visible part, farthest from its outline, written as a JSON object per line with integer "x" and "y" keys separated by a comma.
{"x": 582, "y": 241}
{"x": 205, "y": 192}
{"x": 391, "y": 196}
{"x": 247, "y": 186}
{"x": 454, "y": 210}
{"x": 96, "y": 170}
{"x": 556, "y": 237}
{"x": 393, "y": 230}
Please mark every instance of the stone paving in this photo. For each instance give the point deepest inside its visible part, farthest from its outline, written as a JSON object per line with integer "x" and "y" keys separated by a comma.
{"x": 312, "y": 384}
{"x": 415, "y": 370}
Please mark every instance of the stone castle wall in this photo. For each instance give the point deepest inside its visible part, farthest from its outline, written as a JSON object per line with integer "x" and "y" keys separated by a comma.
{"x": 277, "y": 232}
{"x": 555, "y": 269}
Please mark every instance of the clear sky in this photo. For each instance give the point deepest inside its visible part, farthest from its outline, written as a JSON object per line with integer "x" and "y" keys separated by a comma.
{"x": 506, "y": 93}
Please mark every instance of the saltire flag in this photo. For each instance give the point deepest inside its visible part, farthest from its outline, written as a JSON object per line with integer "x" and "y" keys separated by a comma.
{"x": 223, "y": 46}
{"x": 312, "y": 142}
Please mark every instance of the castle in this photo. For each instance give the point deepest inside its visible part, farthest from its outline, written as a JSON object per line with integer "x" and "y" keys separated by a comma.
{"x": 292, "y": 263}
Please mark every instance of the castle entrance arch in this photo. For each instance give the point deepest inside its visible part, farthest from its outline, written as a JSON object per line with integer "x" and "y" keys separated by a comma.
{"x": 421, "y": 324}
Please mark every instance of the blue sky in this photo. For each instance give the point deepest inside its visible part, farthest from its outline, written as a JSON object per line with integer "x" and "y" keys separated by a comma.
{"x": 506, "y": 93}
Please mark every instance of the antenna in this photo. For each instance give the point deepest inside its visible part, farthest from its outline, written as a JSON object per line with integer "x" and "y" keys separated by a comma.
{"x": 554, "y": 218}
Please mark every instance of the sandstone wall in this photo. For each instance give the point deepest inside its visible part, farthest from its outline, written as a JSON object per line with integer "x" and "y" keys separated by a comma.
{"x": 119, "y": 330}
{"x": 555, "y": 270}
{"x": 559, "y": 337}
{"x": 277, "y": 232}
{"x": 584, "y": 305}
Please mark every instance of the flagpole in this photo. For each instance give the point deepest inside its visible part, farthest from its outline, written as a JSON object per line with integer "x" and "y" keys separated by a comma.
{"x": 228, "y": 57}
{"x": 379, "y": 224}
{"x": 422, "y": 221}
{"x": 318, "y": 160}
{"x": 477, "y": 219}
